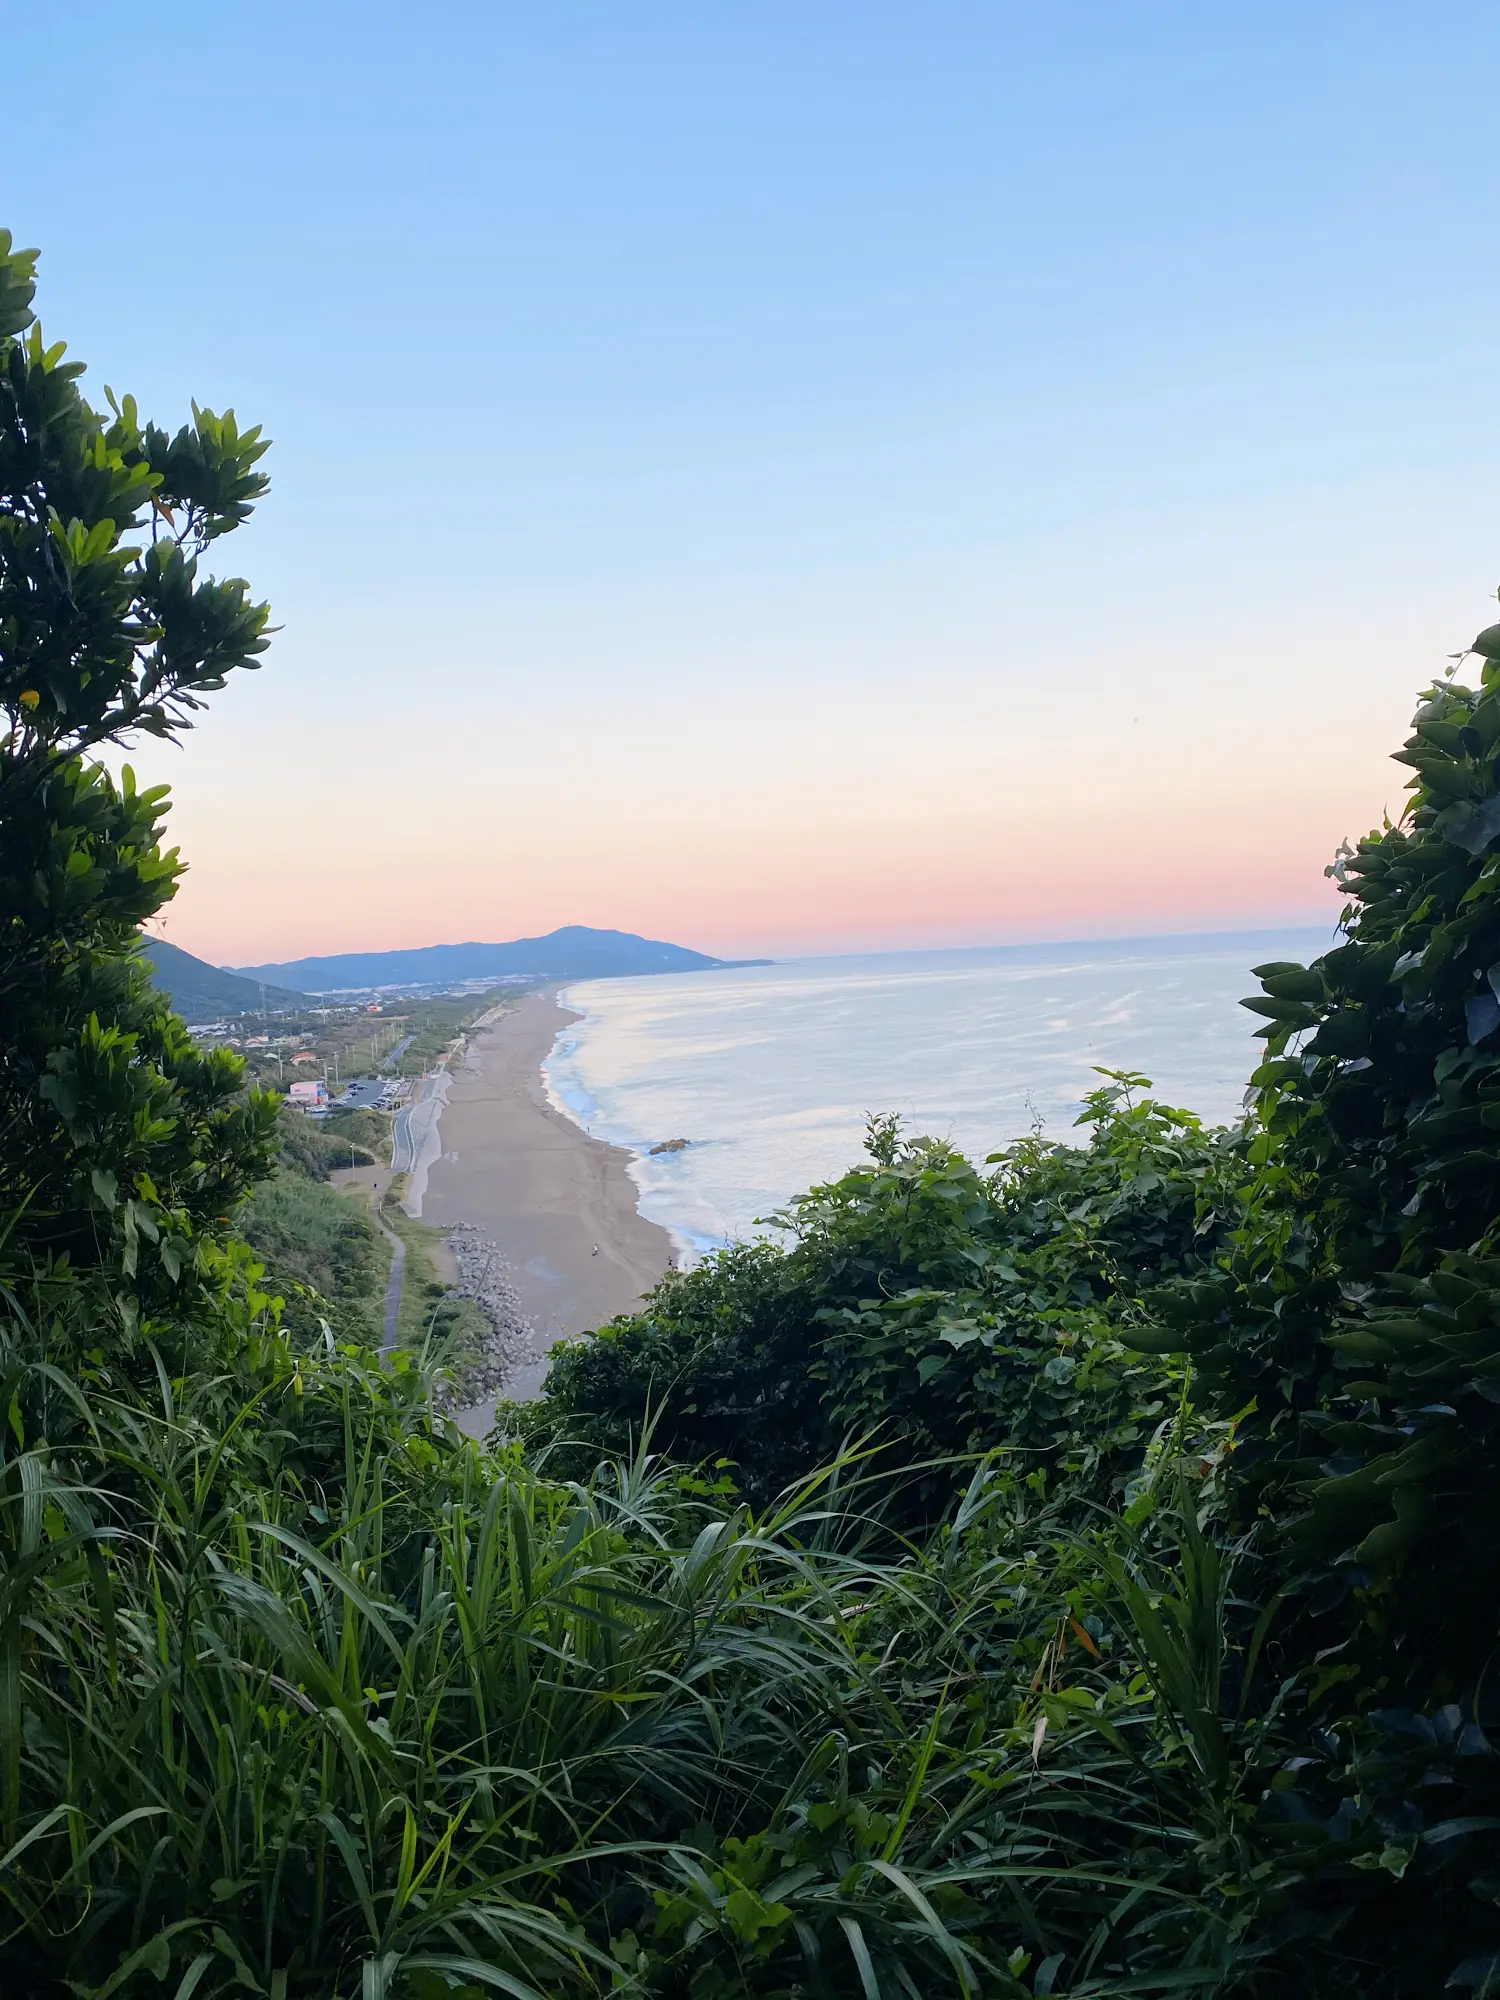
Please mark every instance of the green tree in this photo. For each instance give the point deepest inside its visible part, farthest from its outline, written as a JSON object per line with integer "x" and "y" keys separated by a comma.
{"x": 1353, "y": 1332}
{"x": 122, "y": 1147}
{"x": 1357, "y": 1320}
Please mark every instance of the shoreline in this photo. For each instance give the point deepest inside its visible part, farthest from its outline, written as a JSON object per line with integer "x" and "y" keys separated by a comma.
{"x": 560, "y": 1206}
{"x": 685, "y": 1250}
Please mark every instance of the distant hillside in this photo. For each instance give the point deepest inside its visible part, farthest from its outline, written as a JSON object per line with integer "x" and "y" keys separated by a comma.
{"x": 575, "y": 952}
{"x": 203, "y": 992}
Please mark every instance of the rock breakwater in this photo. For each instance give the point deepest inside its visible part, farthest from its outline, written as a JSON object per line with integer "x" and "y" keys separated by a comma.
{"x": 510, "y": 1343}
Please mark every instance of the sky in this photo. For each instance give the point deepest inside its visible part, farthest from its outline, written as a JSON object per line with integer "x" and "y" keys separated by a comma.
{"x": 793, "y": 478}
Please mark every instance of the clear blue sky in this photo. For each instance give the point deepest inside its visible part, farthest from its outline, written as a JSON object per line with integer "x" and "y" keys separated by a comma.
{"x": 795, "y": 476}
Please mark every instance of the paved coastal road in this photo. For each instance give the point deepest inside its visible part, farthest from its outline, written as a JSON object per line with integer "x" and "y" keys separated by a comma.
{"x": 404, "y": 1143}
{"x": 415, "y": 1140}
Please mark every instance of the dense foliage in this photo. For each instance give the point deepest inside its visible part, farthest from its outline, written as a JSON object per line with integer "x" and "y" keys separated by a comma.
{"x": 946, "y": 1312}
{"x": 1357, "y": 1325}
{"x": 121, "y": 1145}
{"x": 315, "y": 1698}
{"x": 1076, "y": 1577}
{"x": 368, "y": 1132}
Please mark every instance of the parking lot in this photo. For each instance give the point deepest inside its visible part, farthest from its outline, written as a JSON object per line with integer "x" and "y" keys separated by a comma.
{"x": 365, "y": 1092}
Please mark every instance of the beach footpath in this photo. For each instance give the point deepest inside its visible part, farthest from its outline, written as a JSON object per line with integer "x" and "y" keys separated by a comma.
{"x": 558, "y": 1205}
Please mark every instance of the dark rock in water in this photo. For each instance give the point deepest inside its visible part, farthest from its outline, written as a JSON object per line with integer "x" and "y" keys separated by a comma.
{"x": 671, "y": 1146}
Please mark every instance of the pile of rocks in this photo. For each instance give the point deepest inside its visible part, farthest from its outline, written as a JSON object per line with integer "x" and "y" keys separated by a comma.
{"x": 483, "y": 1276}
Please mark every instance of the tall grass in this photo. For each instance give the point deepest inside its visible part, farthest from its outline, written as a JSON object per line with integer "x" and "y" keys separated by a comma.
{"x": 300, "y": 1695}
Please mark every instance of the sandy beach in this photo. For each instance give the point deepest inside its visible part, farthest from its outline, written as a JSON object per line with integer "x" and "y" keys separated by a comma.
{"x": 559, "y": 1205}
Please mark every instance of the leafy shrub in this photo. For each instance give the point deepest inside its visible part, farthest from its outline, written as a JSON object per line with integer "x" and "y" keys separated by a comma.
{"x": 1355, "y": 1325}
{"x": 950, "y": 1312}
{"x": 715, "y": 1367}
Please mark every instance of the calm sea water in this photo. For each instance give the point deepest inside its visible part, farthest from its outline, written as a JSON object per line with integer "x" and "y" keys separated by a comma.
{"x": 771, "y": 1071}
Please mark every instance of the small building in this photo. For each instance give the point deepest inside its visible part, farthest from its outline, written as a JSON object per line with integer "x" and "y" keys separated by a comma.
{"x": 310, "y": 1096}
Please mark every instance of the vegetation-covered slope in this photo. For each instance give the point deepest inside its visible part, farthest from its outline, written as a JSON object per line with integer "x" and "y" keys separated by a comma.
{"x": 316, "y": 1239}
{"x": 1098, "y": 1594}
{"x": 202, "y": 992}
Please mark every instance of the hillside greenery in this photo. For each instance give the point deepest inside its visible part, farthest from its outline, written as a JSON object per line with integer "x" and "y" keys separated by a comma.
{"x": 328, "y": 1260}
{"x": 366, "y": 1130}
{"x": 202, "y": 992}
{"x": 943, "y": 1311}
{"x": 320, "y": 1147}
{"x": 1072, "y": 1574}
{"x": 313, "y": 1238}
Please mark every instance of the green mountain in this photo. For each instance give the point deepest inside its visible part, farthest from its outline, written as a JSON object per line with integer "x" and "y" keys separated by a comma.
{"x": 202, "y": 992}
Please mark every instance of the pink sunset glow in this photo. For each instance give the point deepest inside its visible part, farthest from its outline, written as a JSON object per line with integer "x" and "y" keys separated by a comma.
{"x": 910, "y": 836}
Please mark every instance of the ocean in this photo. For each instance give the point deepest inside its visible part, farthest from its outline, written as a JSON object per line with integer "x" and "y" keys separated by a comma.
{"x": 770, "y": 1072}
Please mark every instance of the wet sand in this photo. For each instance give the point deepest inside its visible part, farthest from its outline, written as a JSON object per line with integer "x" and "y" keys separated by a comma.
{"x": 559, "y": 1205}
